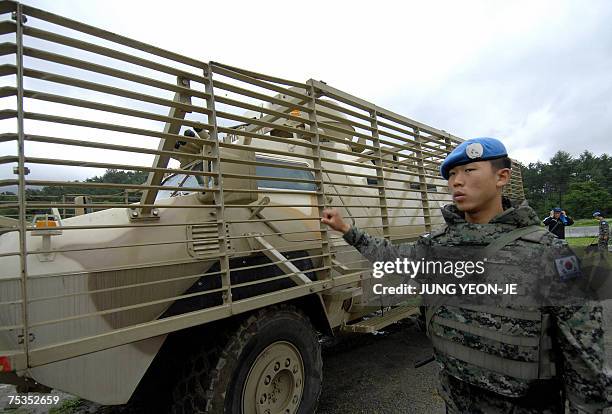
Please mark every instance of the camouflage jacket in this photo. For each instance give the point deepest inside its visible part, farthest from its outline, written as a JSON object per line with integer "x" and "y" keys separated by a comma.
{"x": 579, "y": 330}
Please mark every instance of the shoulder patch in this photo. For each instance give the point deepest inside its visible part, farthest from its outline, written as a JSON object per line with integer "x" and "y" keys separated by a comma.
{"x": 567, "y": 267}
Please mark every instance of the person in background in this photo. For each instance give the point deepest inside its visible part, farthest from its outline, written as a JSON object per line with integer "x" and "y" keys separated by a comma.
{"x": 557, "y": 221}
{"x": 604, "y": 231}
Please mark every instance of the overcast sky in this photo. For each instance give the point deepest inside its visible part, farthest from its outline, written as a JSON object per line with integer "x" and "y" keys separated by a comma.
{"x": 538, "y": 75}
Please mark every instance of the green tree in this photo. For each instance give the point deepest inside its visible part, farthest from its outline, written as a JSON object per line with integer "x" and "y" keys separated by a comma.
{"x": 561, "y": 169}
{"x": 584, "y": 197}
{"x": 65, "y": 193}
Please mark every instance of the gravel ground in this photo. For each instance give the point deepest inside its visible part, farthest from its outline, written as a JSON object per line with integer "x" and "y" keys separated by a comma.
{"x": 376, "y": 374}
{"x": 362, "y": 374}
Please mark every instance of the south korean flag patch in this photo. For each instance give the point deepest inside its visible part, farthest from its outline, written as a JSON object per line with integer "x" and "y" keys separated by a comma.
{"x": 567, "y": 267}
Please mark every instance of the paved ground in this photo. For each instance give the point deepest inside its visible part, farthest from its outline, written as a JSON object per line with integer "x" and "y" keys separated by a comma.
{"x": 376, "y": 374}
{"x": 362, "y": 375}
{"x": 582, "y": 231}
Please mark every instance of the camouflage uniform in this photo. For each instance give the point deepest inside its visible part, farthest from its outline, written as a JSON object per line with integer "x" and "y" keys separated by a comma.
{"x": 468, "y": 388}
{"x": 604, "y": 235}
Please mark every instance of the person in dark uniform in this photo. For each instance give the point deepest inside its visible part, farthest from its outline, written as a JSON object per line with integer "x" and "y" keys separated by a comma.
{"x": 557, "y": 221}
{"x": 604, "y": 231}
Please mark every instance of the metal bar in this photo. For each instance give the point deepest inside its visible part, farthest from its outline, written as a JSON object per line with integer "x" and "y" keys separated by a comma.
{"x": 437, "y": 154}
{"x": 7, "y": 69}
{"x": 173, "y": 127}
{"x": 342, "y": 109}
{"x": 7, "y": 6}
{"x": 111, "y": 90}
{"x": 244, "y": 105}
{"x": 110, "y": 36}
{"x": 112, "y": 53}
{"x": 105, "y": 70}
{"x": 257, "y": 75}
{"x": 7, "y": 48}
{"x": 43, "y": 96}
{"x": 237, "y": 132}
{"x": 116, "y": 288}
{"x": 367, "y": 106}
{"x": 281, "y": 261}
{"x": 321, "y": 194}
{"x": 7, "y": 91}
{"x": 252, "y": 94}
{"x": 262, "y": 84}
{"x": 7, "y": 114}
{"x": 8, "y": 136}
{"x": 95, "y": 272}
{"x": 23, "y": 248}
{"x": 117, "y": 185}
{"x": 260, "y": 123}
{"x": 157, "y": 282}
{"x": 266, "y": 150}
{"x": 219, "y": 197}
{"x": 120, "y": 246}
{"x": 122, "y": 308}
{"x": 382, "y": 193}
{"x": 91, "y": 164}
{"x": 117, "y": 337}
{"x": 110, "y": 127}
{"x": 321, "y": 112}
{"x": 112, "y": 205}
{"x": 423, "y": 185}
{"x": 268, "y": 178}
{"x": 263, "y": 163}
{"x": 113, "y": 147}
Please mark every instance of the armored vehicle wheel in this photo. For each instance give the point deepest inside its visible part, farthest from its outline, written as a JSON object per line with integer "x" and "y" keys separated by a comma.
{"x": 270, "y": 364}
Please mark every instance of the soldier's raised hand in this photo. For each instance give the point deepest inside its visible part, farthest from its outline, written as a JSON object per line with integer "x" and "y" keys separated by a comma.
{"x": 333, "y": 219}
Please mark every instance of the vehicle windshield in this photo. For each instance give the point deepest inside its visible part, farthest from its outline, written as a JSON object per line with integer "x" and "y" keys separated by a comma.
{"x": 284, "y": 169}
{"x": 281, "y": 169}
{"x": 181, "y": 180}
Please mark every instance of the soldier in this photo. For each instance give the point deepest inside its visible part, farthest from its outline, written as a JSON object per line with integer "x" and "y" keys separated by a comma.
{"x": 499, "y": 359}
{"x": 556, "y": 222}
{"x": 604, "y": 231}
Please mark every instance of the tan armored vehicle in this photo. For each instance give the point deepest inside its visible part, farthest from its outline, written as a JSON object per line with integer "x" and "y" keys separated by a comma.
{"x": 212, "y": 289}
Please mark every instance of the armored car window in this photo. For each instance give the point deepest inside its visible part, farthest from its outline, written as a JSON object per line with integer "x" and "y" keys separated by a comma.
{"x": 283, "y": 170}
{"x": 181, "y": 180}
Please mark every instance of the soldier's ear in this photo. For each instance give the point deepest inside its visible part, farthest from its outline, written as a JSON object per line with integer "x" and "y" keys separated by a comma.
{"x": 503, "y": 176}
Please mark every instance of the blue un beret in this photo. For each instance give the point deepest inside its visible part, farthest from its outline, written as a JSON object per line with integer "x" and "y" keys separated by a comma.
{"x": 557, "y": 209}
{"x": 472, "y": 150}
{"x": 597, "y": 213}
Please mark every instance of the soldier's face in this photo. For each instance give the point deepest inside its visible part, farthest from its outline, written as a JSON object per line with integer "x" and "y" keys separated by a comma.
{"x": 474, "y": 186}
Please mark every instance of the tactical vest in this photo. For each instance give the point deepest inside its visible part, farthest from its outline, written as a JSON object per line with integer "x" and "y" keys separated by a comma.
{"x": 489, "y": 344}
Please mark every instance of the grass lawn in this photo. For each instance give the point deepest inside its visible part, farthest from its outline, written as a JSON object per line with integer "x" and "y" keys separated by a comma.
{"x": 586, "y": 222}
{"x": 580, "y": 241}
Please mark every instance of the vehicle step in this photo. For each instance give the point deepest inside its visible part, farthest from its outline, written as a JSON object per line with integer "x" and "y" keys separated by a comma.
{"x": 376, "y": 323}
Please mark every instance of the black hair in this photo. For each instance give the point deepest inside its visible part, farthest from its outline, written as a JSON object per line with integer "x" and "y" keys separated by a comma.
{"x": 499, "y": 163}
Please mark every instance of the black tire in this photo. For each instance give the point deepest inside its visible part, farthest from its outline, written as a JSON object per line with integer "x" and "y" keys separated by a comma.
{"x": 213, "y": 381}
